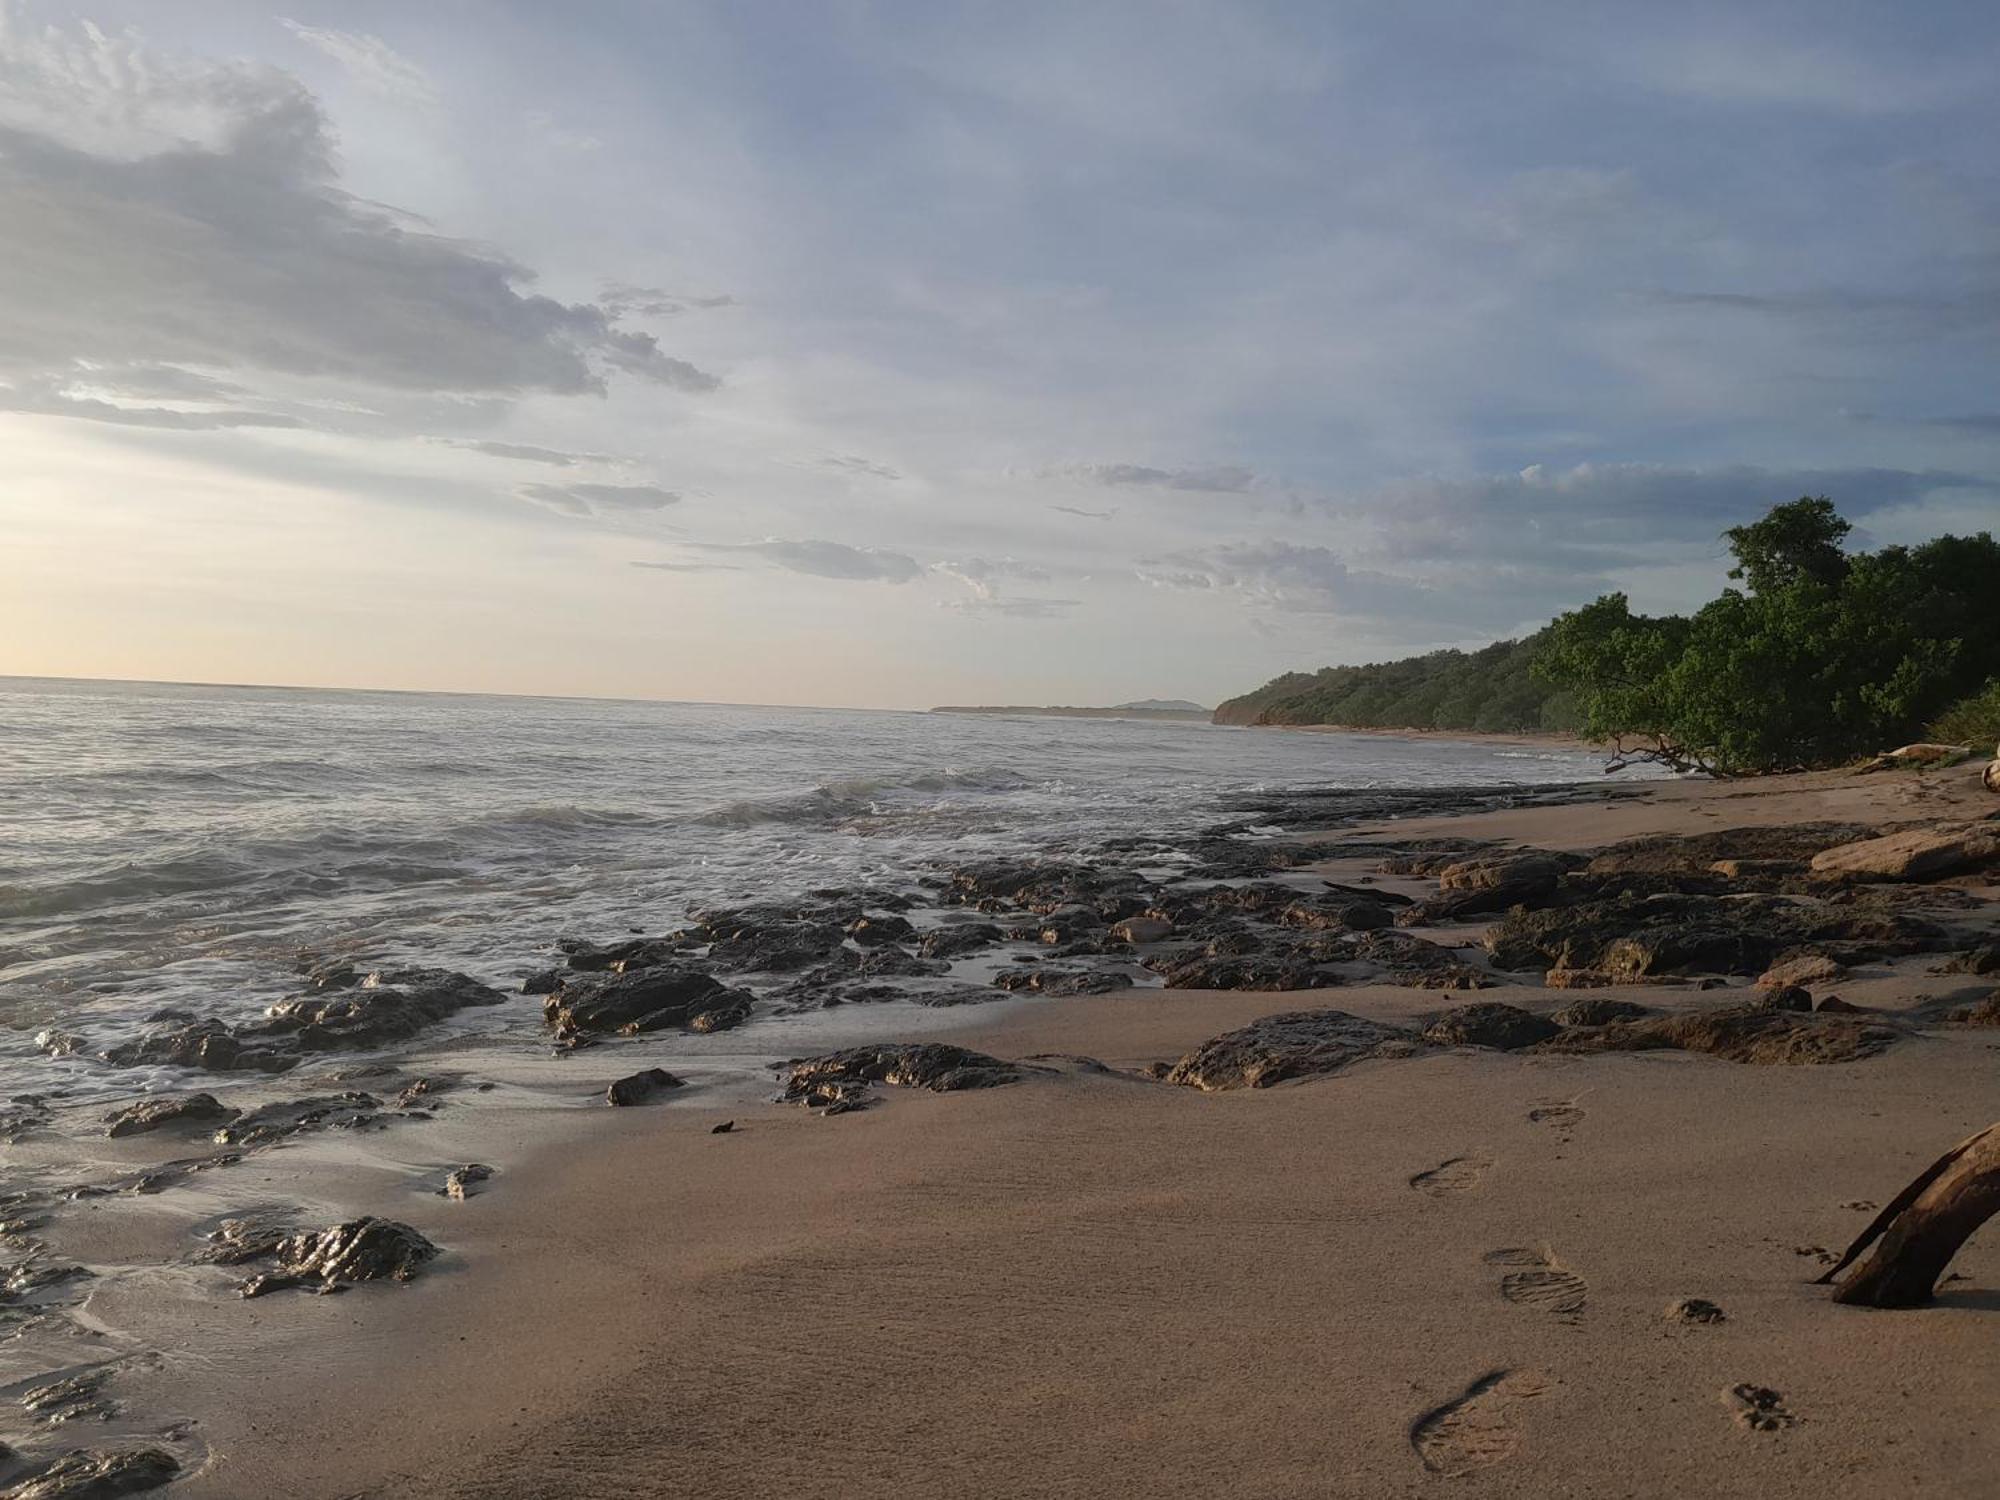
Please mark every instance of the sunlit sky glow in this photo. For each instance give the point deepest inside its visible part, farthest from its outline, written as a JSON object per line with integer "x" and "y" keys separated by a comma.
{"x": 890, "y": 354}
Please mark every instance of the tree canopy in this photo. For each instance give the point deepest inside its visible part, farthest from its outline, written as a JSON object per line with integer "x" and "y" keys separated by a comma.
{"x": 1824, "y": 655}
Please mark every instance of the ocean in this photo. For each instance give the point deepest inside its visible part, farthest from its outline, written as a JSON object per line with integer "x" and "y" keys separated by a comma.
{"x": 185, "y": 846}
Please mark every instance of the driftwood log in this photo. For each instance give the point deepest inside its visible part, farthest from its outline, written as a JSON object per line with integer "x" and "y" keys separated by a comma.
{"x": 1924, "y": 1227}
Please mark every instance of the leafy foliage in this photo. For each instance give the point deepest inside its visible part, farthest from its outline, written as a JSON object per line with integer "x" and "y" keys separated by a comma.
{"x": 1827, "y": 656}
{"x": 1973, "y": 721}
{"x": 1493, "y": 689}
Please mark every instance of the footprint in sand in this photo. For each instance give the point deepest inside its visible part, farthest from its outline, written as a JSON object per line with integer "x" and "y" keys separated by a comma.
{"x": 1562, "y": 1114}
{"x": 1455, "y": 1174}
{"x": 1539, "y": 1281}
{"x": 1475, "y": 1428}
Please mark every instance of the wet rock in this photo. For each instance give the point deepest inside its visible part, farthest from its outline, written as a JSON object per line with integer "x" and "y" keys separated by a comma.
{"x": 27, "y": 1280}
{"x": 1802, "y": 969}
{"x": 462, "y": 1182}
{"x": 777, "y": 948}
{"x": 275, "y": 1122}
{"x": 1787, "y": 997}
{"x": 613, "y": 958}
{"x": 1296, "y": 1044}
{"x": 649, "y": 999}
{"x": 956, "y": 939}
{"x": 58, "y": 1043}
{"x": 362, "y": 1249}
{"x": 1490, "y": 1023}
{"x": 542, "y": 982}
{"x": 1634, "y": 937}
{"x": 209, "y": 1044}
{"x": 1059, "y": 982}
{"x": 235, "y": 1241}
{"x": 1367, "y": 893}
{"x": 72, "y": 1398}
{"x": 1143, "y": 929}
{"x": 163, "y": 1110}
{"x": 1744, "y": 1034}
{"x": 100, "y": 1476}
{"x": 876, "y": 928}
{"x": 637, "y": 1088}
{"x": 839, "y": 1081}
{"x": 1917, "y": 854}
{"x": 1274, "y": 970}
{"x": 1597, "y": 1011}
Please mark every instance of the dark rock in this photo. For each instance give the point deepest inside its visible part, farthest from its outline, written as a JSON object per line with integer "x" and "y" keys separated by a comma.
{"x": 1674, "y": 934}
{"x": 56, "y": 1401}
{"x": 1741, "y": 1033}
{"x": 99, "y": 1476}
{"x": 1787, "y": 846}
{"x": 644, "y": 1000}
{"x": 1985, "y": 1013}
{"x": 876, "y": 928}
{"x": 460, "y": 1182}
{"x": 637, "y": 1088}
{"x": 234, "y": 1241}
{"x": 1834, "y": 1005}
{"x": 1985, "y": 959}
{"x": 1787, "y": 997}
{"x": 1694, "y": 1310}
{"x": 1060, "y": 982}
{"x": 1416, "y": 962}
{"x": 167, "y": 1109}
{"x": 363, "y": 1249}
{"x": 274, "y": 1122}
{"x": 1597, "y": 1011}
{"x": 958, "y": 938}
{"x": 614, "y": 958}
{"x": 1297, "y": 1044}
{"x": 542, "y": 982}
{"x": 776, "y": 947}
{"x": 1275, "y": 970}
{"x": 727, "y": 1127}
{"x": 840, "y": 1080}
{"x": 1490, "y": 1023}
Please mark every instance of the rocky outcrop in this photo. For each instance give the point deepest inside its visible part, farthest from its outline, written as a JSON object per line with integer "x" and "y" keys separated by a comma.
{"x": 1490, "y": 1023}
{"x": 278, "y": 1121}
{"x": 839, "y": 1081}
{"x": 363, "y": 1249}
{"x": 1296, "y": 1044}
{"x": 1932, "y": 853}
{"x": 163, "y": 1110}
{"x": 80, "y": 1475}
{"x": 1488, "y": 883}
{"x": 1743, "y": 1034}
{"x": 642, "y": 1000}
{"x": 344, "y": 1012}
{"x": 1598, "y": 1011}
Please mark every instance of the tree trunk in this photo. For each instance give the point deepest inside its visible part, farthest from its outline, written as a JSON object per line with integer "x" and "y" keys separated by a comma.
{"x": 1923, "y": 1228}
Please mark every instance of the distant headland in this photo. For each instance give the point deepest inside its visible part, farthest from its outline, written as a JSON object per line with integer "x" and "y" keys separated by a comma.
{"x": 1178, "y": 709}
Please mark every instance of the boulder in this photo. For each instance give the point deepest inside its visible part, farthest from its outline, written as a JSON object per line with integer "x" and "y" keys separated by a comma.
{"x": 877, "y": 928}
{"x": 958, "y": 938}
{"x": 1787, "y": 997}
{"x": 637, "y": 1088}
{"x": 1268, "y": 970}
{"x": 1743, "y": 1034}
{"x": 1296, "y": 1044}
{"x": 1490, "y": 1023}
{"x": 363, "y": 1249}
{"x": 648, "y": 999}
{"x": 168, "y": 1109}
{"x": 1917, "y": 854}
{"x": 1143, "y": 929}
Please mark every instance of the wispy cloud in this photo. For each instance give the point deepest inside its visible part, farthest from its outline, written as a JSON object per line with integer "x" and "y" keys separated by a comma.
{"x": 371, "y": 62}
{"x": 1223, "y": 480}
{"x": 598, "y": 500}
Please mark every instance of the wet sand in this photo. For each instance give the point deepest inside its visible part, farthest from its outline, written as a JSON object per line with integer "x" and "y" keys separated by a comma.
{"x": 1442, "y": 1274}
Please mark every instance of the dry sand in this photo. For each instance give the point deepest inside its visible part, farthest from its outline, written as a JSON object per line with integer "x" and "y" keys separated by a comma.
{"x": 1099, "y": 1285}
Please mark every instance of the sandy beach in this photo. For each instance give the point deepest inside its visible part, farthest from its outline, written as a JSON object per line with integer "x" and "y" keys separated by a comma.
{"x": 1446, "y": 1273}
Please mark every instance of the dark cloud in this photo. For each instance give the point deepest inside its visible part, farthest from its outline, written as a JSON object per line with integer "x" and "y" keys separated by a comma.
{"x": 130, "y": 239}
{"x": 598, "y": 500}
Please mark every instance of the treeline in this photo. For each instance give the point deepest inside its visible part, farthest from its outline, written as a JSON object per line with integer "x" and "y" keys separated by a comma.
{"x": 1492, "y": 690}
{"x": 1817, "y": 657}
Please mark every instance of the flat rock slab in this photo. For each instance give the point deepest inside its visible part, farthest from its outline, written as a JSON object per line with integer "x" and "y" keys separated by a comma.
{"x": 1296, "y": 1044}
{"x": 839, "y": 1080}
{"x": 1917, "y": 854}
{"x": 100, "y": 1476}
{"x": 1490, "y": 1023}
{"x": 168, "y": 1109}
{"x": 1744, "y": 1034}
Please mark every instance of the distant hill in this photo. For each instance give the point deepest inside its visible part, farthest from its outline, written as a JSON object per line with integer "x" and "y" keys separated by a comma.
{"x": 1177, "y": 709}
{"x": 1489, "y": 690}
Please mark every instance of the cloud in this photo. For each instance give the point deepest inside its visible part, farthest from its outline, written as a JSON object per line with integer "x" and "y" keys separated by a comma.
{"x": 1221, "y": 481}
{"x": 827, "y": 559}
{"x": 598, "y": 500}
{"x": 1979, "y": 422}
{"x": 1093, "y": 515}
{"x": 52, "y": 398}
{"x": 371, "y": 62}
{"x": 1020, "y": 609}
{"x": 848, "y": 463}
{"x": 169, "y": 211}
{"x": 528, "y": 452}
{"x": 689, "y": 567}
{"x": 623, "y": 300}
{"x": 982, "y": 576}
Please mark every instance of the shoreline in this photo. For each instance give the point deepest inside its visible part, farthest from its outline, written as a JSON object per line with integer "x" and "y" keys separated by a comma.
{"x": 1093, "y": 1276}
{"x": 1551, "y": 738}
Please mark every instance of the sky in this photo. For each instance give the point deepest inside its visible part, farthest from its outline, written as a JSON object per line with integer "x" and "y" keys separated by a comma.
{"x": 879, "y": 354}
